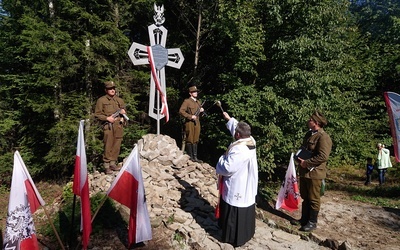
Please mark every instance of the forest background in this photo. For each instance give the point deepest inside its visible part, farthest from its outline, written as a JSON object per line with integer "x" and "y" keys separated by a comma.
{"x": 271, "y": 63}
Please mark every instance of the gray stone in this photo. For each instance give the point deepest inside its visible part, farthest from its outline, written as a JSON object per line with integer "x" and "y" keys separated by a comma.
{"x": 181, "y": 195}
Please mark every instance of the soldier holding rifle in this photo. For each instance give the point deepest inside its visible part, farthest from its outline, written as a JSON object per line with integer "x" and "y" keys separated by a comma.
{"x": 110, "y": 111}
{"x": 191, "y": 109}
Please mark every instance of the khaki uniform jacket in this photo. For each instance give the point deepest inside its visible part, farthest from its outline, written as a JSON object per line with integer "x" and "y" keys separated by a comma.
{"x": 320, "y": 144}
{"x": 188, "y": 108}
{"x": 106, "y": 106}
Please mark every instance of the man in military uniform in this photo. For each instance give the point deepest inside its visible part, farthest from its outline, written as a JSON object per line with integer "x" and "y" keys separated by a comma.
{"x": 112, "y": 125}
{"x": 313, "y": 170}
{"x": 190, "y": 110}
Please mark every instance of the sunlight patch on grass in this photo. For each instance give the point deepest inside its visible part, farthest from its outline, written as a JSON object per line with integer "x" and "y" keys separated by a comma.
{"x": 378, "y": 201}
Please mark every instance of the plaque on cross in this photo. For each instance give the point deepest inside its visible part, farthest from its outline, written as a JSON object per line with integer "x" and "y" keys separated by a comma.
{"x": 158, "y": 58}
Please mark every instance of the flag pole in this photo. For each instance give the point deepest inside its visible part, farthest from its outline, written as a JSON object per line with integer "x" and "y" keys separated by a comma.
{"x": 97, "y": 211}
{"x": 72, "y": 221}
{"x": 54, "y": 228}
{"x": 98, "y": 208}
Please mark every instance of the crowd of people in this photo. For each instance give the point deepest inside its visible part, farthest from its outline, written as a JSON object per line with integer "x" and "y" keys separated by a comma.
{"x": 237, "y": 168}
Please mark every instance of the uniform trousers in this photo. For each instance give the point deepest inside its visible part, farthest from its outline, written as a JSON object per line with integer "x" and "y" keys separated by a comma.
{"x": 310, "y": 191}
{"x": 112, "y": 140}
{"x": 192, "y": 131}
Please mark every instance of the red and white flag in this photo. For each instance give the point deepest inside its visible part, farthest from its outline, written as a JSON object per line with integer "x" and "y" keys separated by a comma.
{"x": 24, "y": 200}
{"x": 128, "y": 189}
{"x": 392, "y": 101}
{"x": 289, "y": 195}
{"x": 81, "y": 186}
{"x": 164, "y": 105}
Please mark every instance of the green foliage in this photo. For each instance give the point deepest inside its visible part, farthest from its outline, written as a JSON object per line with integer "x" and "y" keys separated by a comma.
{"x": 271, "y": 63}
{"x": 68, "y": 193}
{"x": 268, "y": 190}
{"x": 69, "y": 216}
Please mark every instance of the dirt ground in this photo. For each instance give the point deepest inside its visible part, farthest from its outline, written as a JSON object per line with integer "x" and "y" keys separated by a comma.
{"x": 362, "y": 225}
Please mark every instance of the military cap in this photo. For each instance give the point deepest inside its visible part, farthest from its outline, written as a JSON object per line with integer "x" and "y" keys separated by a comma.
{"x": 109, "y": 84}
{"x": 193, "y": 89}
{"x": 320, "y": 118}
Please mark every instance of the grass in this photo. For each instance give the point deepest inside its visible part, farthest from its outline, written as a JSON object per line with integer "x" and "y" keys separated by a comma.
{"x": 350, "y": 180}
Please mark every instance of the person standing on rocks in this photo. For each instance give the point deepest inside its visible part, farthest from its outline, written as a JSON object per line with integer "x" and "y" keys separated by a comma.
{"x": 190, "y": 110}
{"x": 112, "y": 124}
{"x": 313, "y": 170}
{"x": 238, "y": 180}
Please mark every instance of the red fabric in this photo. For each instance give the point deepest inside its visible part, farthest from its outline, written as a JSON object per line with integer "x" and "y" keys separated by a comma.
{"x": 128, "y": 189}
{"x": 33, "y": 199}
{"x": 291, "y": 201}
{"x": 164, "y": 108}
{"x": 125, "y": 192}
{"x": 29, "y": 243}
{"x": 220, "y": 188}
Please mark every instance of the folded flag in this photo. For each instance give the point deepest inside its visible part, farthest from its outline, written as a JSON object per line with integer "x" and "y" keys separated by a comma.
{"x": 289, "y": 196}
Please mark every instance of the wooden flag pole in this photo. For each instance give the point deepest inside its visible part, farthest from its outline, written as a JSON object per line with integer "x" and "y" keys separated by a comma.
{"x": 95, "y": 214}
{"x": 54, "y": 228}
{"x": 98, "y": 208}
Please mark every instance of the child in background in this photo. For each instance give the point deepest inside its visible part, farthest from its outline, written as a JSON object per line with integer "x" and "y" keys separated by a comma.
{"x": 370, "y": 168}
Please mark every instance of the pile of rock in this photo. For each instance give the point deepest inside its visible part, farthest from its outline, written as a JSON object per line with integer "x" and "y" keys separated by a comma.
{"x": 179, "y": 192}
{"x": 181, "y": 195}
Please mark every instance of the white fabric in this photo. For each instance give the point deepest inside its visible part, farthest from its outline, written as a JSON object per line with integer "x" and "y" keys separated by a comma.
{"x": 289, "y": 195}
{"x": 239, "y": 169}
{"x": 384, "y": 159}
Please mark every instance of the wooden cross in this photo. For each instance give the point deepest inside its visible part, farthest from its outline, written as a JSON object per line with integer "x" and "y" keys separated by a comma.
{"x": 162, "y": 57}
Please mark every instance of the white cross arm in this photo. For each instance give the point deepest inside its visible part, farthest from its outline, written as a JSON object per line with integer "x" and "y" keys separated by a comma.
{"x": 175, "y": 58}
{"x": 138, "y": 54}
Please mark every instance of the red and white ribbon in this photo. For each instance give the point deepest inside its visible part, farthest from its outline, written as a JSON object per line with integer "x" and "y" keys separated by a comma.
{"x": 164, "y": 105}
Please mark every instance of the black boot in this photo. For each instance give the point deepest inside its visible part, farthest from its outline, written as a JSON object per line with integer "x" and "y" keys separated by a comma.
{"x": 305, "y": 215}
{"x": 195, "y": 154}
{"x": 312, "y": 223}
{"x": 189, "y": 150}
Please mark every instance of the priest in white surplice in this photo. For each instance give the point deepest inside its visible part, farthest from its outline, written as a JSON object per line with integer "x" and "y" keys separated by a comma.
{"x": 238, "y": 172}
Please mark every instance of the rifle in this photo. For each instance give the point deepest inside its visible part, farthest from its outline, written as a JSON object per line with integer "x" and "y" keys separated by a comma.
{"x": 118, "y": 112}
{"x": 115, "y": 115}
{"x": 197, "y": 113}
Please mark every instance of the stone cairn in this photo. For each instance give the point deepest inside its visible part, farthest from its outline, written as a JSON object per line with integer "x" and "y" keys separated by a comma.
{"x": 181, "y": 196}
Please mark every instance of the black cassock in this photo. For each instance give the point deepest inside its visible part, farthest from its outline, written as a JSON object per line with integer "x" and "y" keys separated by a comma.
{"x": 237, "y": 223}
